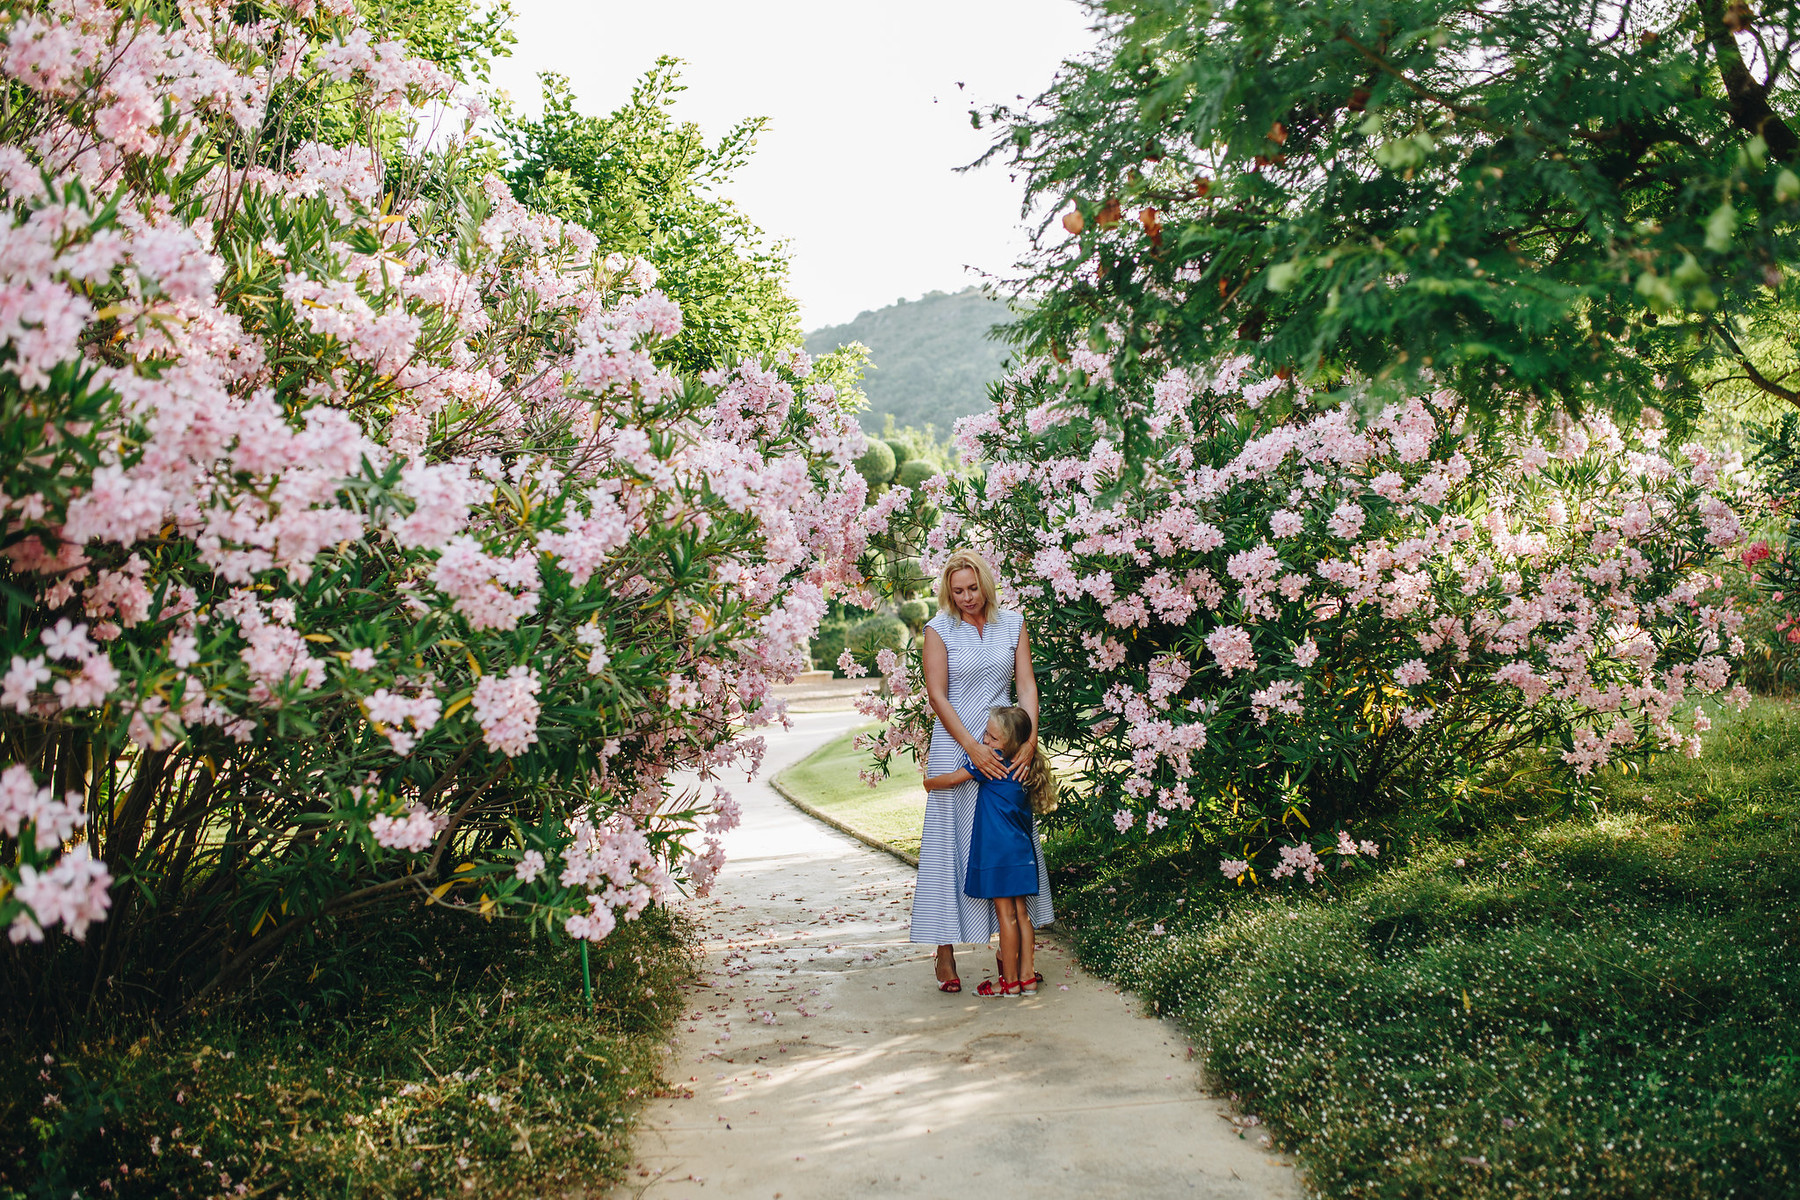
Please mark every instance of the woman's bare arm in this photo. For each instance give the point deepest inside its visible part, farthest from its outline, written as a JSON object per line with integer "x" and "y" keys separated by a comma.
{"x": 1025, "y": 686}
{"x": 937, "y": 691}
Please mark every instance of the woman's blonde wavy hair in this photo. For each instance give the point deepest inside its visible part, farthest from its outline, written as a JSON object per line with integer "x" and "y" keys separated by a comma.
{"x": 1039, "y": 781}
{"x": 967, "y": 560}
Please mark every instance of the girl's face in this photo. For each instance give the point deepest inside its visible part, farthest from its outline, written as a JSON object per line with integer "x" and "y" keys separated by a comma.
{"x": 994, "y": 740}
{"x": 965, "y": 592}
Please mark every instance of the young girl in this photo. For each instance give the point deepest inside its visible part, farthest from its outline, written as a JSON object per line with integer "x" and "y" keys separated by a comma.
{"x": 1003, "y": 863}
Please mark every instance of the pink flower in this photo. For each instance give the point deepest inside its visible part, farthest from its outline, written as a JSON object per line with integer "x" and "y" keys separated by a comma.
{"x": 531, "y": 865}
{"x": 23, "y": 678}
{"x": 1233, "y": 867}
{"x": 1346, "y": 520}
{"x": 413, "y": 831}
{"x": 1230, "y": 646}
{"x": 1412, "y": 672}
{"x": 507, "y": 708}
{"x": 1298, "y": 858}
{"x": 73, "y": 893}
{"x": 67, "y": 640}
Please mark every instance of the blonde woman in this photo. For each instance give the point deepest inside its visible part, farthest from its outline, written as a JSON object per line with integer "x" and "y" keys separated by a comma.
{"x": 974, "y": 655}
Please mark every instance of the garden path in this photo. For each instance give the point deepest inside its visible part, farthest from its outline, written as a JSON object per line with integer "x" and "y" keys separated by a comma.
{"x": 821, "y": 1063}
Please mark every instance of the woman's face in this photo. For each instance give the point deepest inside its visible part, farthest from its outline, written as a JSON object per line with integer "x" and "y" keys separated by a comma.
{"x": 965, "y": 591}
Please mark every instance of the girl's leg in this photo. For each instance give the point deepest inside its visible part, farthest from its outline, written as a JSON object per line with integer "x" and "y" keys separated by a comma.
{"x": 1027, "y": 940}
{"x": 946, "y": 963}
{"x": 1008, "y": 918}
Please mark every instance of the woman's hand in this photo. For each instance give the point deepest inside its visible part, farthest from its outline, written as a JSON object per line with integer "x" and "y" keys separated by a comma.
{"x": 1022, "y": 760}
{"x": 983, "y": 758}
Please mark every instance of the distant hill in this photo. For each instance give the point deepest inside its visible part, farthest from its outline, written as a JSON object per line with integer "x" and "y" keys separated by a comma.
{"x": 932, "y": 358}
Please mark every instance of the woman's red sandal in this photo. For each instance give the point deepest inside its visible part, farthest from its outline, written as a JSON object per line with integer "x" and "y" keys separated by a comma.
{"x": 951, "y": 985}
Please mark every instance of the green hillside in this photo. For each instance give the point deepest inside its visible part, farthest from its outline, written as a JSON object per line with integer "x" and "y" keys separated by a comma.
{"x": 932, "y": 357}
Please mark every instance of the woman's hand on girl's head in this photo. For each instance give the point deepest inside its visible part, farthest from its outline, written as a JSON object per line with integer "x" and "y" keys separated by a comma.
{"x": 986, "y": 761}
{"x": 1022, "y": 760}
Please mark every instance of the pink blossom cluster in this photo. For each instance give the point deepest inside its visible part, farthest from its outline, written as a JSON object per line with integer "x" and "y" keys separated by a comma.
{"x": 613, "y": 863}
{"x": 74, "y": 893}
{"x": 24, "y": 804}
{"x": 1332, "y": 583}
{"x": 507, "y": 708}
{"x": 413, "y": 830}
{"x": 357, "y": 468}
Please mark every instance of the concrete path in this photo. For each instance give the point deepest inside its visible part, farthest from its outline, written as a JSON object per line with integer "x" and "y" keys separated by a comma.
{"x": 823, "y": 1063}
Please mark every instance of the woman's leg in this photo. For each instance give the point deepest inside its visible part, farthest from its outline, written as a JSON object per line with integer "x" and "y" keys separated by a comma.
{"x": 1008, "y": 919}
{"x": 946, "y": 963}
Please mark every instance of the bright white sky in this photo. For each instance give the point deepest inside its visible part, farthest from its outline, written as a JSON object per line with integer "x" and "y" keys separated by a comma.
{"x": 857, "y": 169}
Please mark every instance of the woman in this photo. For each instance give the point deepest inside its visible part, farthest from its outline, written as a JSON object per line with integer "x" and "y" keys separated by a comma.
{"x": 973, "y": 654}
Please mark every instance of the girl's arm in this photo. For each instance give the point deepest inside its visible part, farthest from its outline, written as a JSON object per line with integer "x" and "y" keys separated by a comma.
{"x": 1025, "y": 684}
{"x": 948, "y": 780}
{"x": 937, "y": 691}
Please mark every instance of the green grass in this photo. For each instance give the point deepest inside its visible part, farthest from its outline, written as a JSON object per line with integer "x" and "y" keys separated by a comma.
{"x": 1600, "y": 1005}
{"x": 893, "y": 811}
{"x": 462, "y": 1063}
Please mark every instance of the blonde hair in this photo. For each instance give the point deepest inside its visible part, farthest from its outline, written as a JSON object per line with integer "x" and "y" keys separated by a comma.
{"x": 968, "y": 560}
{"x": 1040, "y": 784}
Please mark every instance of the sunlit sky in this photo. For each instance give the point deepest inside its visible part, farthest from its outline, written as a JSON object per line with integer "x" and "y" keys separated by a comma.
{"x": 857, "y": 169}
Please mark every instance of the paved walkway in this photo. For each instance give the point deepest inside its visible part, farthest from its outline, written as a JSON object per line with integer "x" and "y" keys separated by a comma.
{"x": 823, "y": 1064}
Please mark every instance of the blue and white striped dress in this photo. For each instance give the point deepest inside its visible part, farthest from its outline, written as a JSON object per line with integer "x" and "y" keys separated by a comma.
{"x": 981, "y": 675}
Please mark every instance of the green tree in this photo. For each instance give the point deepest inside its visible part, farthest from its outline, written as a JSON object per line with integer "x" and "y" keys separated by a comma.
{"x": 650, "y": 185}
{"x": 1555, "y": 201}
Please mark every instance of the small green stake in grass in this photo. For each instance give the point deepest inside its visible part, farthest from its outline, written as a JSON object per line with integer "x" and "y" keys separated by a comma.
{"x": 587, "y": 978}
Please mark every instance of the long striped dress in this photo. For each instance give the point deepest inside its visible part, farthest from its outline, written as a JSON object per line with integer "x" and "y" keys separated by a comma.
{"x": 981, "y": 675}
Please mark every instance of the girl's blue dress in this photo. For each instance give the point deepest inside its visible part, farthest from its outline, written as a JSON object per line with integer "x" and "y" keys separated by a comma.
{"x": 1002, "y": 859}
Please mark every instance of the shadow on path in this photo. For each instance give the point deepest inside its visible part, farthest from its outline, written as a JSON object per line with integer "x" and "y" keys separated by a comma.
{"x": 823, "y": 1063}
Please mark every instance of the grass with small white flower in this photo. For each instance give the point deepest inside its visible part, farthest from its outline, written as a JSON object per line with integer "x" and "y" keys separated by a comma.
{"x": 1592, "y": 1005}
{"x": 458, "y": 1059}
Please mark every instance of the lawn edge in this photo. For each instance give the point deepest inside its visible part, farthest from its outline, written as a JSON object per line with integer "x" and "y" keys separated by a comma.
{"x": 781, "y": 789}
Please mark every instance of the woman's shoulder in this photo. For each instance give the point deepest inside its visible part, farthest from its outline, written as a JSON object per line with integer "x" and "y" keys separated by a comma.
{"x": 941, "y": 621}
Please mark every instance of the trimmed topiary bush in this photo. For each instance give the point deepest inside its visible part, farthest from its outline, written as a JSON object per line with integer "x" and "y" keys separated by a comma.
{"x": 902, "y": 452}
{"x": 915, "y": 613}
{"x": 871, "y": 636}
{"x": 914, "y": 472}
{"x": 876, "y": 464}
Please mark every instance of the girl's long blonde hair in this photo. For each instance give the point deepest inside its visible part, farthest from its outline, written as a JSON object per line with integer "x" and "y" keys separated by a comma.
{"x": 1039, "y": 781}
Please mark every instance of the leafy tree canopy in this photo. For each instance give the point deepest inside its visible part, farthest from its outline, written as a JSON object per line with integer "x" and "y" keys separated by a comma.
{"x": 649, "y": 185}
{"x": 1560, "y": 201}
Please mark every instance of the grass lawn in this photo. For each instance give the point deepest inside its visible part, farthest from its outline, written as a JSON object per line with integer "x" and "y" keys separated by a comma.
{"x": 453, "y": 1059}
{"x": 893, "y": 811}
{"x": 1592, "y": 1004}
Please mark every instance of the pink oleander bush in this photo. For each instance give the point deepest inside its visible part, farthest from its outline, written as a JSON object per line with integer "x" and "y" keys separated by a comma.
{"x": 359, "y": 547}
{"x": 1289, "y": 617}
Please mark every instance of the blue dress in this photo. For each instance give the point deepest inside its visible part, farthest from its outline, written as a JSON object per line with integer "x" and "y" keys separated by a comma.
{"x": 1002, "y": 859}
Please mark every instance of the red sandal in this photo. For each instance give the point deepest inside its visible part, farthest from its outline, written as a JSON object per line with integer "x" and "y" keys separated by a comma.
{"x": 1008, "y": 987}
{"x": 951, "y": 985}
{"x": 1036, "y": 978}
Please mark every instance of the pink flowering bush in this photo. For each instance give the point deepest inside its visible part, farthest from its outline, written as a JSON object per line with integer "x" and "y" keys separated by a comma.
{"x": 359, "y": 545}
{"x": 1288, "y": 616}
